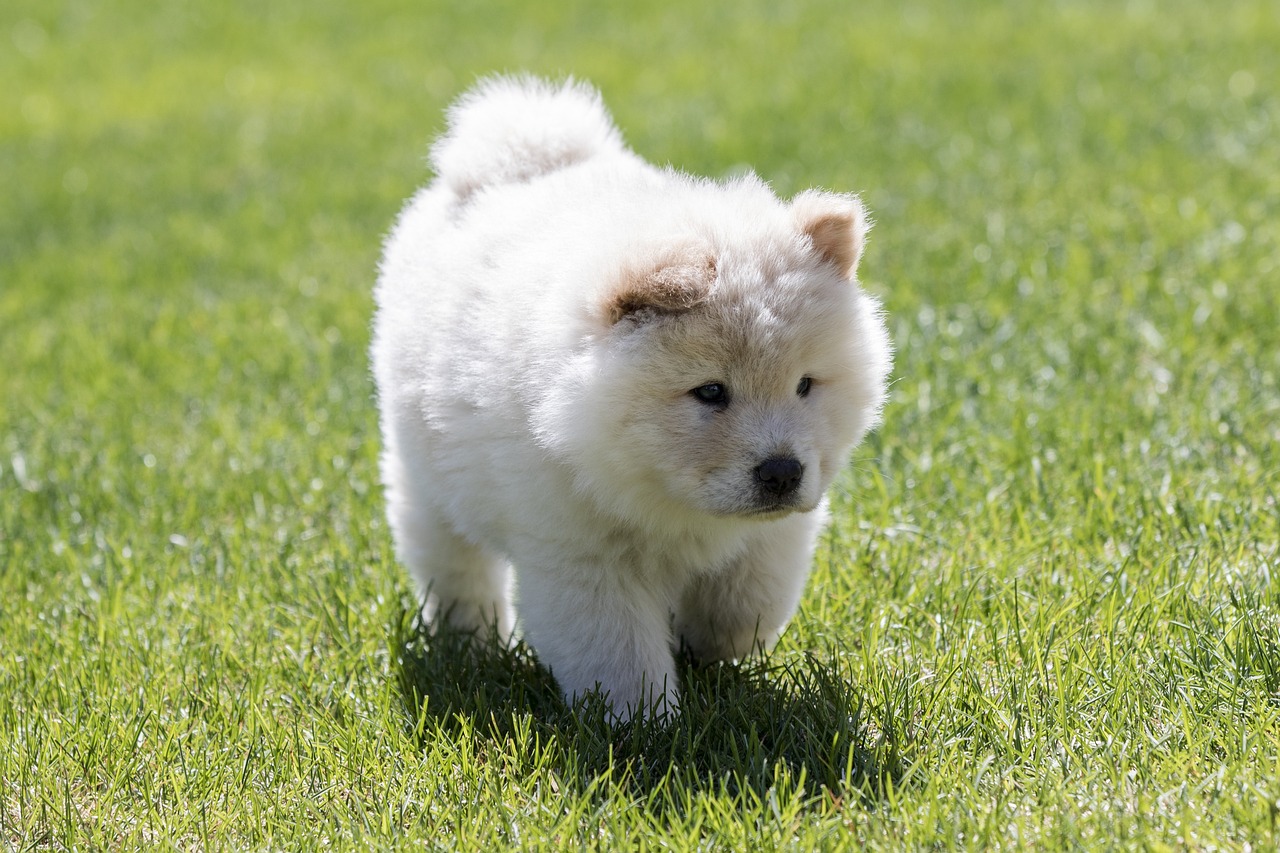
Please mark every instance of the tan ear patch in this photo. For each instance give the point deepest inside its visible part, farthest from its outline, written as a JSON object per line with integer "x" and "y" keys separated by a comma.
{"x": 836, "y": 226}
{"x": 675, "y": 284}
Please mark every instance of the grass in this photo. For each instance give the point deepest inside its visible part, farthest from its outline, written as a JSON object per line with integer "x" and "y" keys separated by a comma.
{"x": 1046, "y": 614}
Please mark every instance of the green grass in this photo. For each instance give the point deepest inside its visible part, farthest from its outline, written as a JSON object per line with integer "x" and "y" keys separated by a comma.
{"x": 1047, "y": 613}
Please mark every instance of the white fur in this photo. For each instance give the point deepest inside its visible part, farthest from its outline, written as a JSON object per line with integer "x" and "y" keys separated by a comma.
{"x": 534, "y": 382}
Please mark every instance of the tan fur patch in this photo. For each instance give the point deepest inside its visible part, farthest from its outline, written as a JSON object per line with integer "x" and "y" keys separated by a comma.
{"x": 836, "y": 226}
{"x": 674, "y": 285}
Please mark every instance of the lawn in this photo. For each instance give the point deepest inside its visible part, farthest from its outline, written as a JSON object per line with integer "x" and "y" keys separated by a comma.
{"x": 1047, "y": 611}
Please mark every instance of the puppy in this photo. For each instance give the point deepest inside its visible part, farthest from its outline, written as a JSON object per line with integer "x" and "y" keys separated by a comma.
{"x": 630, "y": 385}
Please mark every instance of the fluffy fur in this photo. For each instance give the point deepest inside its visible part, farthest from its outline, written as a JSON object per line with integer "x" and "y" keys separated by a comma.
{"x": 631, "y": 385}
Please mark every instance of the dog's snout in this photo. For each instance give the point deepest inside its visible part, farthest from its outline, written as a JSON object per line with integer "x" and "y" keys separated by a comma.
{"x": 779, "y": 475}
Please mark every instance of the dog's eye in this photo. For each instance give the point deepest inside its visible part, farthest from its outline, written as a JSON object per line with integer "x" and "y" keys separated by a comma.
{"x": 802, "y": 390}
{"x": 713, "y": 394}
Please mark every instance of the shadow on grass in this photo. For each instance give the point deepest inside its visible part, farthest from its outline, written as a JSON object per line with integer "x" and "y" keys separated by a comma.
{"x": 739, "y": 725}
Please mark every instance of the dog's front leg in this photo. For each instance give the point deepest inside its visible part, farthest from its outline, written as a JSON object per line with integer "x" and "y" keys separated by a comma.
{"x": 601, "y": 629}
{"x": 741, "y": 609}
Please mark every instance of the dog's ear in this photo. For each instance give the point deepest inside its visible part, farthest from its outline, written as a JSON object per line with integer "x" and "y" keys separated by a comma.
{"x": 836, "y": 226}
{"x": 675, "y": 280}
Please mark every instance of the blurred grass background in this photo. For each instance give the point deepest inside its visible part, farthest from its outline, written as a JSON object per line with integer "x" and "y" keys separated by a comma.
{"x": 1047, "y": 611}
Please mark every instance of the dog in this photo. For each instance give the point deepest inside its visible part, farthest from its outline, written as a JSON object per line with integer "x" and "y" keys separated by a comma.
{"x": 612, "y": 396}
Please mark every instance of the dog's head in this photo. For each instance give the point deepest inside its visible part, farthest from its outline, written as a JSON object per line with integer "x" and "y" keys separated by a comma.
{"x": 734, "y": 368}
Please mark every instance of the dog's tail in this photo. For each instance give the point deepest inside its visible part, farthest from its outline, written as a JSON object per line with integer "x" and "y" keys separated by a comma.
{"x": 512, "y": 129}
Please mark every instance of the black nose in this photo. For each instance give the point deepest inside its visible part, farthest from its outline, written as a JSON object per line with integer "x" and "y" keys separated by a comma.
{"x": 779, "y": 475}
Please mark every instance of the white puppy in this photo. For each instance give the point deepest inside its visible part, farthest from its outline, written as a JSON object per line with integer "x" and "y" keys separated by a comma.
{"x": 633, "y": 384}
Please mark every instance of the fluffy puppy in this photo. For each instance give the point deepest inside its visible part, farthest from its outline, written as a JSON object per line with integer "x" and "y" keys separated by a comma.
{"x": 630, "y": 385}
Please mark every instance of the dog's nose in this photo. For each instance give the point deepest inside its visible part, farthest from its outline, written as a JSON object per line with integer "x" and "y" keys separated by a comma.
{"x": 779, "y": 475}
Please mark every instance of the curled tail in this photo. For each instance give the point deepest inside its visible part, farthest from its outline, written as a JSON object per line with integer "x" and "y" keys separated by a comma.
{"x": 513, "y": 129}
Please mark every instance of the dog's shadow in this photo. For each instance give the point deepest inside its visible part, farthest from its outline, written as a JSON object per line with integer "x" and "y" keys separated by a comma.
{"x": 738, "y": 727}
